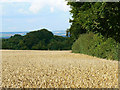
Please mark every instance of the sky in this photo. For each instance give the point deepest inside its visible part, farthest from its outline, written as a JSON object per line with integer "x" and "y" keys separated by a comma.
{"x": 30, "y": 15}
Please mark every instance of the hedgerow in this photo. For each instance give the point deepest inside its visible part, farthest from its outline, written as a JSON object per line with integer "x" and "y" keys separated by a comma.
{"x": 96, "y": 45}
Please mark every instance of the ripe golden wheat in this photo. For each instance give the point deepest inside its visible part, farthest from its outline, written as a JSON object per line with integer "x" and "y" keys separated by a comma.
{"x": 56, "y": 69}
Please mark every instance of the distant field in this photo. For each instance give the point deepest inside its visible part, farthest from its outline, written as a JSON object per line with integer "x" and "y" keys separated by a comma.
{"x": 56, "y": 69}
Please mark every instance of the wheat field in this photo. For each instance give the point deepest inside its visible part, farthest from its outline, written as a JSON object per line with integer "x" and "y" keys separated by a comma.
{"x": 56, "y": 69}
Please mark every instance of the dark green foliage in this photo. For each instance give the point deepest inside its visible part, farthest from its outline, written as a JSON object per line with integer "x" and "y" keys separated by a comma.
{"x": 119, "y": 52}
{"x": 100, "y": 17}
{"x": 41, "y": 45}
{"x": 37, "y": 40}
{"x": 96, "y": 45}
{"x": 75, "y": 30}
{"x": 12, "y": 42}
{"x": 34, "y": 37}
{"x": 60, "y": 43}
{"x": 0, "y": 43}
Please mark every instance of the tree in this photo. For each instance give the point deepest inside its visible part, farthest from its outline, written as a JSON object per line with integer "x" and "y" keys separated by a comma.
{"x": 98, "y": 17}
{"x": 32, "y": 38}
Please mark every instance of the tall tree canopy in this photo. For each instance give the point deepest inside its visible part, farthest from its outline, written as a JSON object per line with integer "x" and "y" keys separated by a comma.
{"x": 98, "y": 17}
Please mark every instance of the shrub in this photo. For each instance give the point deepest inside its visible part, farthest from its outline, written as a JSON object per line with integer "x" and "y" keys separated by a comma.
{"x": 96, "y": 45}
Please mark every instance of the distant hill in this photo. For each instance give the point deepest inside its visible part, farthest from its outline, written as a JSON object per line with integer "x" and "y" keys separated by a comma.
{"x": 36, "y": 40}
{"x": 6, "y": 35}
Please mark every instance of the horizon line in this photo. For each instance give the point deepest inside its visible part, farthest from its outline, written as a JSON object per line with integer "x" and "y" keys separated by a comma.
{"x": 32, "y": 30}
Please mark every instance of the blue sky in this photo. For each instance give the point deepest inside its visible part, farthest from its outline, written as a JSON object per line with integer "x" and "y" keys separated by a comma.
{"x": 34, "y": 15}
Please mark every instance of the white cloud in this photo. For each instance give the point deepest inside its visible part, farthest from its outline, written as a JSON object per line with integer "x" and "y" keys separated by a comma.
{"x": 51, "y": 9}
{"x": 37, "y": 5}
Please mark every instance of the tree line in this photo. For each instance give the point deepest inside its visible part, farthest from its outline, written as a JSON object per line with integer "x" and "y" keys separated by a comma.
{"x": 95, "y": 28}
{"x": 97, "y": 17}
{"x": 37, "y": 40}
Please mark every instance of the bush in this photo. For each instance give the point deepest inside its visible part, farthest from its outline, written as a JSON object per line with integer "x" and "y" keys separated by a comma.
{"x": 96, "y": 45}
{"x": 60, "y": 43}
{"x": 82, "y": 45}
